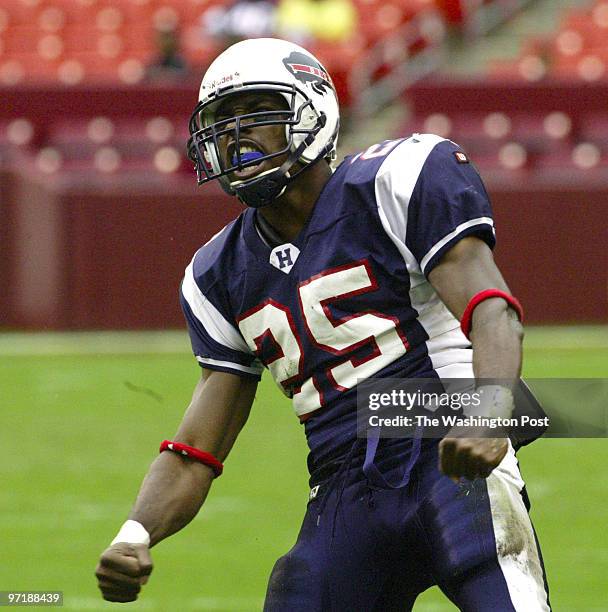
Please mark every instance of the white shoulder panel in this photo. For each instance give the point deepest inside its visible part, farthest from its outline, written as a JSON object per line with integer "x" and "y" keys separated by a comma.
{"x": 210, "y": 317}
{"x": 395, "y": 182}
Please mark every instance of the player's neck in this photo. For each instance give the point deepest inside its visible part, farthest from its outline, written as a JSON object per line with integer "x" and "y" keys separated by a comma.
{"x": 288, "y": 214}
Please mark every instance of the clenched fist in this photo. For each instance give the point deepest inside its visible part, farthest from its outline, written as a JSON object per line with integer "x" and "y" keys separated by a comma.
{"x": 122, "y": 570}
{"x": 465, "y": 455}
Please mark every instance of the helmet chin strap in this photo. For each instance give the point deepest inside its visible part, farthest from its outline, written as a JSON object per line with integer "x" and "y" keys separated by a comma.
{"x": 270, "y": 185}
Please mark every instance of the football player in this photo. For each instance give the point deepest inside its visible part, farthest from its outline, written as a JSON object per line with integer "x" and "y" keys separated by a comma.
{"x": 381, "y": 268}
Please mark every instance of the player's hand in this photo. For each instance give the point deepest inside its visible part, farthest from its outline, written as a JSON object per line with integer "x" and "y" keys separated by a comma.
{"x": 462, "y": 454}
{"x": 122, "y": 570}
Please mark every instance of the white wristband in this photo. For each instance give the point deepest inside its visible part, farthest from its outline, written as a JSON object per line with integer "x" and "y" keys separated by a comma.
{"x": 496, "y": 402}
{"x": 132, "y": 532}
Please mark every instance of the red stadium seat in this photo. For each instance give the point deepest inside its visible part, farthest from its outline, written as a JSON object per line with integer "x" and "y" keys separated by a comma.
{"x": 17, "y": 13}
{"x": 586, "y": 67}
{"x": 117, "y": 31}
{"x": 577, "y": 50}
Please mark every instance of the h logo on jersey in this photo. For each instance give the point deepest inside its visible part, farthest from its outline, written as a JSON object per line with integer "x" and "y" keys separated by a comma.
{"x": 284, "y": 257}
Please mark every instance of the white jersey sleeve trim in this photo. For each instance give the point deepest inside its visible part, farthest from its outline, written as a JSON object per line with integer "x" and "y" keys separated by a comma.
{"x": 210, "y": 317}
{"x": 231, "y": 365}
{"x": 453, "y": 234}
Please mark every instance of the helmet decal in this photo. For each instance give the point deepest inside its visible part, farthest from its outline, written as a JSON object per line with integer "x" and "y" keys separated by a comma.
{"x": 228, "y": 79}
{"x": 308, "y": 71}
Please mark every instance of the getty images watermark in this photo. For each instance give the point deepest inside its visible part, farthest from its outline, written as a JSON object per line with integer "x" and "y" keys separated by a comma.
{"x": 459, "y": 415}
{"x": 430, "y": 408}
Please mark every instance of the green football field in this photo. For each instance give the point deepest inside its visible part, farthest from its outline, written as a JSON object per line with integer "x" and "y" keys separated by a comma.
{"x": 82, "y": 416}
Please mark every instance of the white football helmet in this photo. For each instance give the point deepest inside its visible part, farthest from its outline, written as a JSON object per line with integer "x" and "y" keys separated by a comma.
{"x": 311, "y": 119}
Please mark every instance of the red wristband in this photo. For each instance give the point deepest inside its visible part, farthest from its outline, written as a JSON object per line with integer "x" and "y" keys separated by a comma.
{"x": 467, "y": 317}
{"x": 194, "y": 453}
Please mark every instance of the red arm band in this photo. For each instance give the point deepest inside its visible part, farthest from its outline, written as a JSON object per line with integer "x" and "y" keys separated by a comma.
{"x": 193, "y": 453}
{"x": 467, "y": 317}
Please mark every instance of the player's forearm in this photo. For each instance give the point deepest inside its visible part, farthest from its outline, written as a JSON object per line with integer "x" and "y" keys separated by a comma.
{"x": 171, "y": 495}
{"x": 497, "y": 337}
{"x": 176, "y": 487}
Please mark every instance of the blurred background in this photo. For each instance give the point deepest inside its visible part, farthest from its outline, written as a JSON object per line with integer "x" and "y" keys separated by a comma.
{"x": 97, "y": 198}
{"x": 100, "y": 214}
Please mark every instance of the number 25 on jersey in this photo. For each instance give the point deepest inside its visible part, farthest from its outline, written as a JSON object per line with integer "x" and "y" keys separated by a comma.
{"x": 273, "y": 322}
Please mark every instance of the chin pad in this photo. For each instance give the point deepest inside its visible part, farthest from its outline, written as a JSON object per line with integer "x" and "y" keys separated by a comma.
{"x": 247, "y": 157}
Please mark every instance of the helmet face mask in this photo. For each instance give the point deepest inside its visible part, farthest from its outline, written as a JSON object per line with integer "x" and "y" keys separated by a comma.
{"x": 309, "y": 117}
{"x": 204, "y": 144}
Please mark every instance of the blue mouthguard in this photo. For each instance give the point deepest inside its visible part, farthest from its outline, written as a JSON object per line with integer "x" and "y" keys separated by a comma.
{"x": 246, "y": 157}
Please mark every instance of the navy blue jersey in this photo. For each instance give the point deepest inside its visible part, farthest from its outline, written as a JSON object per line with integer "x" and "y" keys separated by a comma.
{"x": 348, "y": 298}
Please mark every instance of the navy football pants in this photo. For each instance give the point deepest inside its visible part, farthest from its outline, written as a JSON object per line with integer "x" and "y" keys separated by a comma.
{"x": 363, "y": 549}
